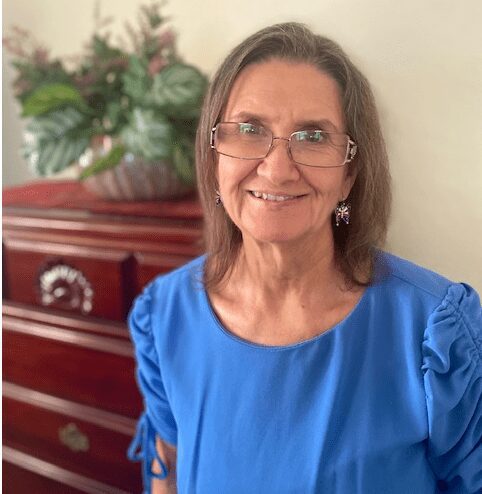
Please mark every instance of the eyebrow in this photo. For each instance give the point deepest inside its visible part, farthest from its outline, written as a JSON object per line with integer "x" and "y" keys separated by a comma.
{"x": 317, "y": 123}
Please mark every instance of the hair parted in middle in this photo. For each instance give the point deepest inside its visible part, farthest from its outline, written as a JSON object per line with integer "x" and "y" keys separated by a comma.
{"x": 370, "y": 197}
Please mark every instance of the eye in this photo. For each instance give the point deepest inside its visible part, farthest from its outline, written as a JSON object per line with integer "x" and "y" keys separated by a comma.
{"x": 250, "y": 129}
{"x": 311, "y": 136}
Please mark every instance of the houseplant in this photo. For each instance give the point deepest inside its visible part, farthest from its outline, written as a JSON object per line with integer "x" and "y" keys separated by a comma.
{"x": 131, "y": 107}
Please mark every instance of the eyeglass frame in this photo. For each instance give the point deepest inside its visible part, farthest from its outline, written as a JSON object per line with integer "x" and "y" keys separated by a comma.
{"x": 351, "y": 146}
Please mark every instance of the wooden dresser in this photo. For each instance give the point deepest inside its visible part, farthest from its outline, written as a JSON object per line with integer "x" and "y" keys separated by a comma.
{"x": 72, "y": 265}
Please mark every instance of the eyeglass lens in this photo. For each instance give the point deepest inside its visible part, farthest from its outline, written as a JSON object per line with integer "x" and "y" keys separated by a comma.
{"x": 309, "y": 147}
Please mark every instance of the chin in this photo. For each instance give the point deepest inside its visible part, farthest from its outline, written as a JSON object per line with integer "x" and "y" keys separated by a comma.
{"x": 275, "y": 235}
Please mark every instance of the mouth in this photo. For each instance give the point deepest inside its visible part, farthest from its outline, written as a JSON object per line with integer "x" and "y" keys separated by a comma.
{"x": 274, "y": 198}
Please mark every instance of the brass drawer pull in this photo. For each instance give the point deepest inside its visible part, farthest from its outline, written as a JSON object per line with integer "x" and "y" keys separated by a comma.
{"x": 71, "y": 437}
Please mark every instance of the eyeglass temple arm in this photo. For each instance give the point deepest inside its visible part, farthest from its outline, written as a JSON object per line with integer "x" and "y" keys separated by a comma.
{"x": 211, "y": 140}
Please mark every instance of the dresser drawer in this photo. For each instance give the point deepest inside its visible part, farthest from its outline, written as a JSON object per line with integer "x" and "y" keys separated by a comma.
{"x": 72, "y": 266}
{"x": 84, "y": 280}
{"x": 80, "y": 439}
{"x": 18, "y": 480}
{"x": 84, "y": 368}
{"x": 149, "y": 265}
{"x": 24, "y": 474}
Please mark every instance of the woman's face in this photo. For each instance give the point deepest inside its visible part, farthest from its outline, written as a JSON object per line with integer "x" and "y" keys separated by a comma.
{"x": 284, "y": 97}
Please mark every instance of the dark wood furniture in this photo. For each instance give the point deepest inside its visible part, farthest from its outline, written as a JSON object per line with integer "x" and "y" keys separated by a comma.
{"x": 72, "y": 265}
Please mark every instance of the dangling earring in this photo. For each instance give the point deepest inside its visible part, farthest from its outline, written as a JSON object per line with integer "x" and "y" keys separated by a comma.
{"x": 342, "y": 213}
{"x": 218, "y": 200}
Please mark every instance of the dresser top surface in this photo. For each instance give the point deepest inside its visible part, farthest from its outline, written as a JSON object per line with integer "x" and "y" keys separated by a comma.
{"x": 67, "y": 199}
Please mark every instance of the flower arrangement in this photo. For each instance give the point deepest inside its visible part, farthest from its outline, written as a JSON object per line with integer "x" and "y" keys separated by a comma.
{"x": 145, "y": 97}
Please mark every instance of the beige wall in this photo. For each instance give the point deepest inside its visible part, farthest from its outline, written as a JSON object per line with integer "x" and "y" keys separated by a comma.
{"x": 423, "y": 58}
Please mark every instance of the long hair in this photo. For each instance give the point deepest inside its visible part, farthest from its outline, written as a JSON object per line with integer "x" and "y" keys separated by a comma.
{"x": 370, "y": 196}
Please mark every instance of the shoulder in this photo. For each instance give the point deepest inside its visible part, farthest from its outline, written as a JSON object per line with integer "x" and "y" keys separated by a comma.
{"x": 406, "y": 274}
{"x": 442, "y": 303}
{"x": 162, "y": 296}
{"x": 405, "y": 286}
{"x": 188, "y": 276}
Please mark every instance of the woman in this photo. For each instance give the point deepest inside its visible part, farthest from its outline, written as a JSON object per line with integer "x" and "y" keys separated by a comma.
{"x": 295, "y": 356}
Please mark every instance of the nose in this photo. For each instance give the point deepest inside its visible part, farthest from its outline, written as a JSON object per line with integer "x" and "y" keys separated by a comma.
{"x": 277, "y": 166}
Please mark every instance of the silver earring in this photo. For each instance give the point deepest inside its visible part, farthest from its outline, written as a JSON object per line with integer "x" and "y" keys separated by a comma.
{"x": 218, "y": 200}
{"x": 342, "y": 213}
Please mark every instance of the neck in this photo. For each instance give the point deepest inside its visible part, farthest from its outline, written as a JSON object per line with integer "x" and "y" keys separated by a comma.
{"x": 274, "y": 273}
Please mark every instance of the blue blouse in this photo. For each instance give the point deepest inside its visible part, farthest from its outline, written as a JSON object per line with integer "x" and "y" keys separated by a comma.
{"x": 388, "y": 401}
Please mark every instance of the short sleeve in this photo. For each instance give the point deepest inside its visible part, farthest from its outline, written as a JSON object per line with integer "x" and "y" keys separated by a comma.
{"x": 157, "y": 418}
{"x": 452, "y": 368}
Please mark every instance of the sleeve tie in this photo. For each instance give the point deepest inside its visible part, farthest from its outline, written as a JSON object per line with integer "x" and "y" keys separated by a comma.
{"x": 143, "y": 448}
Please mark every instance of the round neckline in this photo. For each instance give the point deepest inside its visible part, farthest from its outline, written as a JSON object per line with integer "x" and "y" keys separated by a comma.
{"x": 259, "y": 346}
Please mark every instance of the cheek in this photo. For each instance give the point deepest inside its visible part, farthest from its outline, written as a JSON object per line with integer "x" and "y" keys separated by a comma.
{"x": 230, "y": 186}
{"x": 231, "y": 176}
{"x": 327, "y": 182}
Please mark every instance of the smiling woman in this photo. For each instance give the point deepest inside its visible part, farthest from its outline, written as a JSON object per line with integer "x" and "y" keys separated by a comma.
{"x": 296, "y": 355}
{"x": 285, "y": 94}
{"x": 349, "y": 103}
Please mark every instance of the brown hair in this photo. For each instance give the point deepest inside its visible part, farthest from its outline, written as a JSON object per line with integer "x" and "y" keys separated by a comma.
{"x": 370, "y": 197}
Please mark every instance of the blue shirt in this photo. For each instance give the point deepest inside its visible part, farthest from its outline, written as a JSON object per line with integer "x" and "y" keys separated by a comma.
{"x": 388, "y": 401}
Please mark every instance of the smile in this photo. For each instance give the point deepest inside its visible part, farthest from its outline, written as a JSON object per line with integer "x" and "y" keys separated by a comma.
{"x": 271, "y": 197}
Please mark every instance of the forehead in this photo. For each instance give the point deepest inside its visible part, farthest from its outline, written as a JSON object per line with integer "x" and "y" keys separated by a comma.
{"x": 285, "y": 92}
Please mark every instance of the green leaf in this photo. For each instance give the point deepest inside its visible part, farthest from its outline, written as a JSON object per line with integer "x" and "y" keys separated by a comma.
{"x": 52, "y": 97}
{"x": 114, "y": 113}
{"x": 136, "y": 80}
{"x": 31, "y": 77}
{"x": 178, "y": 90}
{"x": 102, "y": 49}
{"x": 148, "y": 135}
{"x": 55, "y": 140}
{"x": 110, "y": 160}
{"x": 183, "y": 160}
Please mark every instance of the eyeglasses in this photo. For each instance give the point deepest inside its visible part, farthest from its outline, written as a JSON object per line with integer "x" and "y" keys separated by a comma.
{"x": 316, "y": 148}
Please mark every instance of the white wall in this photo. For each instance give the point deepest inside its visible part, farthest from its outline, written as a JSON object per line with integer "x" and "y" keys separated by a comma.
{"x": 423, "y": 58}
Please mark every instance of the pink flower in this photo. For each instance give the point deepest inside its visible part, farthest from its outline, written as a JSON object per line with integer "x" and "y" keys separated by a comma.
{"x": 86, "y": 80}
{"x": 156, "y": 64}
{"x": 41, "y": 56}
{"x": 167, "y": 38}
{"x": 21, "y": 86}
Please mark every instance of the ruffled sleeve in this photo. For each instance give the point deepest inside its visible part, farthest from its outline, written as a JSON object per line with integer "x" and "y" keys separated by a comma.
{"x": 452, "y": 368}
{"x": 157, "y": 418}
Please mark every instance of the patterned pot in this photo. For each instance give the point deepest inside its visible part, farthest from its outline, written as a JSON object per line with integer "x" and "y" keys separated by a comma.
{"x": 133, "y": 179}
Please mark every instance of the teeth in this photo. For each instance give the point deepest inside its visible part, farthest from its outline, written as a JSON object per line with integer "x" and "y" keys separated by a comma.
{"x": 269, "y": 197}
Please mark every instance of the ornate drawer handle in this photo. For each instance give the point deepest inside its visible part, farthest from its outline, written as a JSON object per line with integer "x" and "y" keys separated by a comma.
{"x": 62, "y": 285}
{"x": 71, "y": 437}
